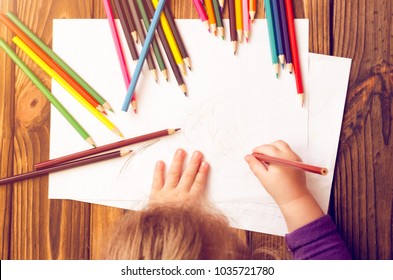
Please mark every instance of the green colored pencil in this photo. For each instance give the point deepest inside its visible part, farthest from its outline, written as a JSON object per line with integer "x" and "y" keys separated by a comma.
{"x": 156, "y": 49}
{"x": 272, "y": 36}
{"x": 46, "y": 92}
{"x": 59, "y": 61}
{"x": 220, "y": 25}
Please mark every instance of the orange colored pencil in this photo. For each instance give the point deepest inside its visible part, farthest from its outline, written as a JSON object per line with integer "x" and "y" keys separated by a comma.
{"x": 252, "y": 7}
{"x": 212, "y": 17}
{"x": 294, "y": 164}
{"x": 52, "y": 64}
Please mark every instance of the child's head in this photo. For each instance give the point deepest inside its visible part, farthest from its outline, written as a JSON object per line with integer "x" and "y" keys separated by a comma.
{"x": 164, "y": 232}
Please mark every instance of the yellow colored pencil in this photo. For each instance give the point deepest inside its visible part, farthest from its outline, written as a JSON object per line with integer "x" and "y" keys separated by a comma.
{"x": 171, "y": 40}
{"x": 54, "y": 75}
{"x": 239, "y": 19}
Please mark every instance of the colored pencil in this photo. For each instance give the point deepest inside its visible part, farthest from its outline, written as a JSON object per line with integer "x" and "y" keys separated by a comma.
{"x": 142, "y": 36}
{"x": 278, "y": 32}
{"x": 65, "y": 85}
{"x": 156, "y": 49}
{"x": 246, "y": 20}
{"x": 130, "y": 20}
{"x": 220, "y": 25}
{"x": 252, "y": 9}
{"x": 145, "y": 50}
{"x": 201, "y": 13}
{"x": 222, "y": 4}
{"x": 232, "y": 25}
{"x": 272, "y": 37}
{"x": 51, "y": 63}
{"x": 65, "y": 166}
{"x": 178, "y": 37}
{"x": 284, "y": 26}
{"x": 171, "y": 40}
{"x": 125, "y": 23}
{"x": 176, "y": 71}
{"x": 294, "y": 50}
{"x": 116, "y": 41}
{"x": 119, "y": 50}
{"x": 239, "y": 20}
{"x": 59, "y": 61}
{"x": 212, "y": 17}
{"x": 45, "y": 91}
{"x": 105, "y": 148}
{"x": 289, "y": 163}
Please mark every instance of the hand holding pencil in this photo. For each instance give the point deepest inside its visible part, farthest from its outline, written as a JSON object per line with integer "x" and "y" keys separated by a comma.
{"x": 286, "y": 185}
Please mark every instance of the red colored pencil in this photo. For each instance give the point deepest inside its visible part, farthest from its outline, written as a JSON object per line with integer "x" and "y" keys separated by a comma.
{"x": 294, "y": 50}
{"x": 101, "y": 149}
{"x": 294, "y": 164}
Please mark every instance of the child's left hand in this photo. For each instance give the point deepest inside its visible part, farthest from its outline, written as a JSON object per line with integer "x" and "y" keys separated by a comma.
{"x": 184, "y": 188}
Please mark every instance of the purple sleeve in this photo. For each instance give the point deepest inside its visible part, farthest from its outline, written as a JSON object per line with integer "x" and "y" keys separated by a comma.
{"x": 318, "y": 240}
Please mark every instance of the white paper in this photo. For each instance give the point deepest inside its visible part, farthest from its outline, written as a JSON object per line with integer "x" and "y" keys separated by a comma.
{"x": 235, "y": 103}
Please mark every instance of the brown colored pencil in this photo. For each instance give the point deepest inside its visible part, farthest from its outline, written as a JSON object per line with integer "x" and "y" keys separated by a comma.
{"x": 125, "y": 23}
{"x": 295, "y": 164}
{"x": 232, "y": 25}
{"x": 68, "y": 165}
{"x": 105, "y": 148}
{"x": 178, "y": 38}
{"x": 176, "y": 71}
{"x": 142, "y": 36}
{"x": 52, "y": 64}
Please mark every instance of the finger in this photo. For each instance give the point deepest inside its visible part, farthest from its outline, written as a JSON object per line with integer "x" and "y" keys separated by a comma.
{"x": 158, "y": 176}
{"x": 175, "y": 170}
{"x": 281, "y": 145}
{"x": 199, "y": 184}
{"x": 258, "y": 168}
{"x": 191, "y": 171}
{"x": 268, "y": 149}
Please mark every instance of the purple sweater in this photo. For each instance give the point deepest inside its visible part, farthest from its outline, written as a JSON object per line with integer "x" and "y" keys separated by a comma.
{"x": 318, "y": 240}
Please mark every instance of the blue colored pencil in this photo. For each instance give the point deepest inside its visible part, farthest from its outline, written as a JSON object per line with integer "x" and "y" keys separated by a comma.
{"x": 277, "y": 26}
{"x": 285, "y": 35}
{"x": 144, "y": 52}
{"x": 272, "y": 37}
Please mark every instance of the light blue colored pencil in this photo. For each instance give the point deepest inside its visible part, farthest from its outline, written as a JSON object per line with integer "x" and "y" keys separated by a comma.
{"x": 144, "y": 52}
{"x": 272, "y": 37}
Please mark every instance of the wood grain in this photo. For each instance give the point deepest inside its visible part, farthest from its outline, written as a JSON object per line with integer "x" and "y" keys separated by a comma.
{"x": 363, "y": 189}
{"x": 32, "y": 227}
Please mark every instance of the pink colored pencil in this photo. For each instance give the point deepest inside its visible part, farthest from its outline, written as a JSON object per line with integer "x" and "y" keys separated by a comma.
{"x": 246, "y": 20}
{"x": 119, "y": 50}
{"x": 201, "y": 13}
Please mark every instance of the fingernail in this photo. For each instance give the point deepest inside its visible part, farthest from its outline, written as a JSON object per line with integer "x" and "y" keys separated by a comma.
{"x": 179, "y": 152}
{"x": 196, "y": 155}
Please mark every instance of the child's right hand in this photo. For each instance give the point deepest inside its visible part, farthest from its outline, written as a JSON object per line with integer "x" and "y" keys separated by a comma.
{"x": 286, "y": 185}
{"x": 283, "y": 183}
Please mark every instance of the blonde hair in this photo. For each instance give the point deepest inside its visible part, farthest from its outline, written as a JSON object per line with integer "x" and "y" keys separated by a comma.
{"x": 173, "y": 233}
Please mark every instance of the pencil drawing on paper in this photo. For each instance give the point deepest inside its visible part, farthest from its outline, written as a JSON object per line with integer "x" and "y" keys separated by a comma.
{"x": 219, "y": 131}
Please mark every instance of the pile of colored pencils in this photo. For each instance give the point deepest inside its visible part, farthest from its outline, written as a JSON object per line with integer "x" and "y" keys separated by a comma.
{"x": 241, "y": 15}
{"x": 281, "y": 29}
{"x": 95, "y": 155}
{"x": 282, "y": 37}
{"x": 136, "y": 16}
{"x": 57, "y": 69}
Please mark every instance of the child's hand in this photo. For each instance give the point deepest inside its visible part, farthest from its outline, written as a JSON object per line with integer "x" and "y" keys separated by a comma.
{"x": 182, "y": 188}
{"x": 282, "y": 183}
{"x": 286, "y": 185}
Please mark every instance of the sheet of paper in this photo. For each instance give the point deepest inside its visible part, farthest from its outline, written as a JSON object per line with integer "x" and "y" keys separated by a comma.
{"x": 235, "y": 103}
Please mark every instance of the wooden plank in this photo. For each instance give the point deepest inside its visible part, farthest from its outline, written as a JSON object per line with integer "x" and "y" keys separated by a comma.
{"x": 363, "y": 192}
{"x": 42, "y": 229}
{"x": 7, "y": 76}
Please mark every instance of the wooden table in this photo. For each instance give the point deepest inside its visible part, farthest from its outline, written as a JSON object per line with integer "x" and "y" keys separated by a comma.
{"x": 33, "y": 227}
